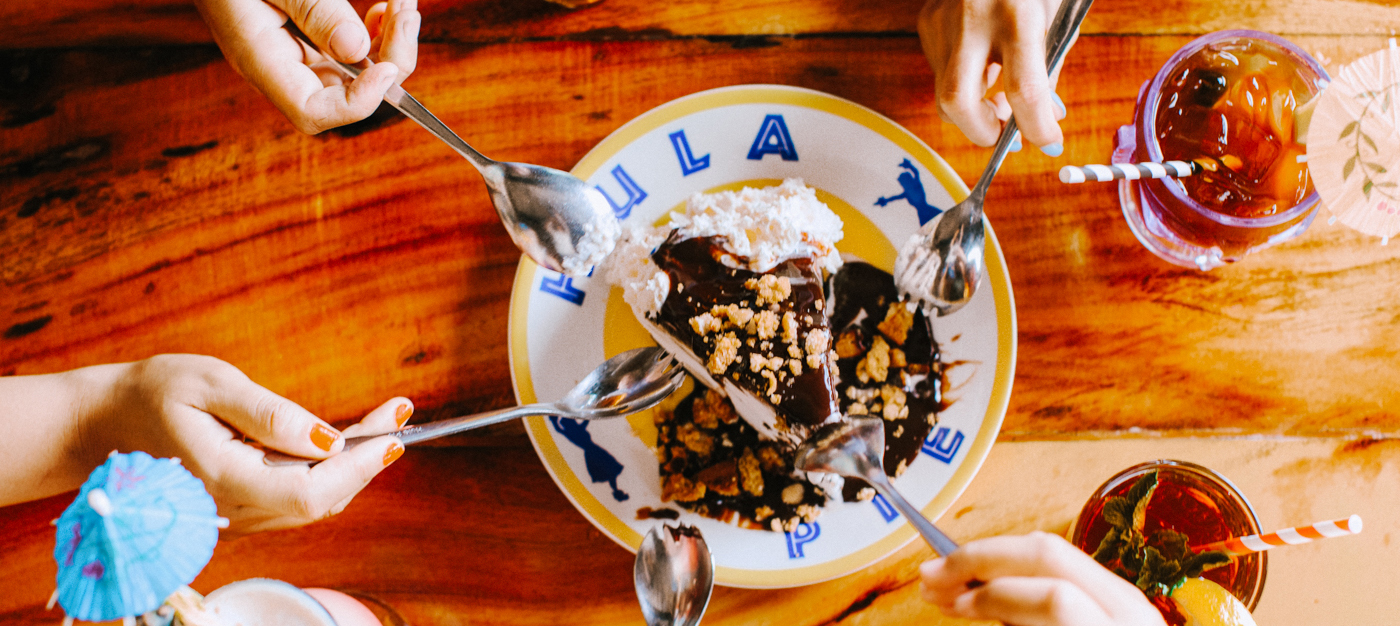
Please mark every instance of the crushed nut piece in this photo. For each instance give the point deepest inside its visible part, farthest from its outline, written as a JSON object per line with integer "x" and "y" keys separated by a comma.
{"x": 876, "y": 364}
{"x": 762, "y": 513}
{"x": 897, "y": 358}
{"x": 848, "y": 344}
{"x": 766, "y": 325}
{"x": 857, "y": 409}
{"x": 793, "y": 494}
{"x": 790, "y": 328}
{"x": 721, "y": 478}
{"x": 771, "y": 458}
{"x": 704, "y": 324}
{"x": 749, "y": 472}
{"x": 794, "y": 351}
{"x": 726, "y": 352}
{"x": 712, "y": 406}
{"x": 770, "y": 288}
{"x": 818, "y": 341}
{"x": 695, "y": 439}
{"x": 796, "y": 367}
{"x": 898, "y": 320}
{"x": 681, "y": 489}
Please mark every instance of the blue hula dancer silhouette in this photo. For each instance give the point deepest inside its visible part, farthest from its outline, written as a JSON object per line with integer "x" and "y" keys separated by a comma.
{"x": 913, "y": 193}
{"x": 602, "y": 466}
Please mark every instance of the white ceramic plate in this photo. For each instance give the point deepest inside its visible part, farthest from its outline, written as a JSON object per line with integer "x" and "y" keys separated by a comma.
{"x": 757, "y": 135}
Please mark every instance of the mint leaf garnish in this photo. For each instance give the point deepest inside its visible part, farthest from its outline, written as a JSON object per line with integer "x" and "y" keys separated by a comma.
{"x": 1158, "y": 563}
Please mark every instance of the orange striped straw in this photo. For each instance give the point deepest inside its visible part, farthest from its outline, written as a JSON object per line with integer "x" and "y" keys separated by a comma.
{"x": 1287, "y": 537}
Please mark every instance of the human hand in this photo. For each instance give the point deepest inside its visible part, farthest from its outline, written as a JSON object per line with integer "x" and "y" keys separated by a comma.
{"x": 974, "y": 44}
{"x": 302, "y": 83}
{"x": 1037, "y": 579}
{"x": 204, "y": 411}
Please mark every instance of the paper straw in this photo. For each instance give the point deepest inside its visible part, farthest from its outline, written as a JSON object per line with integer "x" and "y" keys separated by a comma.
{"x": 1130, "y": 171}
{"x": 1286, "y": 537}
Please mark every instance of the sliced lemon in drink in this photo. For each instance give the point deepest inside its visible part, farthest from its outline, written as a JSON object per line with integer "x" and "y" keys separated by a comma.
{"x": 1205, "y": 603}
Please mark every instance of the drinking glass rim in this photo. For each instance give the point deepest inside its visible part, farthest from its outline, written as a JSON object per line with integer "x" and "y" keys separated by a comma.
{"x": 1204, "y": 472}
{"x": 1149, "y": 121}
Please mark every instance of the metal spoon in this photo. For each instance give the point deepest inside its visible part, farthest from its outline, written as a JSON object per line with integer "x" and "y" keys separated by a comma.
{"x": 629, "y": 382}
{"x": 553, "y": 217}
{"x": 855, "y": 449}
{"x": 674, "y": 574}
{"x": 941, "y": 265}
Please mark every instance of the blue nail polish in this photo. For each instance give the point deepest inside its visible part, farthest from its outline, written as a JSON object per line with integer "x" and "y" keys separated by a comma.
{"x": 1054, "y": 149}
{"x": 1015, "y": 145}
{"x": 1059, "y": 103}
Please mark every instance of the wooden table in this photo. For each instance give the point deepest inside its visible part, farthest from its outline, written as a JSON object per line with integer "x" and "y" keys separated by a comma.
{"x": 151, "y": 201}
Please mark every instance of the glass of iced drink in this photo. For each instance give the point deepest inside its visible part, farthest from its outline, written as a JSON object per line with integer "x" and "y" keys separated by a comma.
{"x": 1229, "y": 102}
{"x": 1189, "y": 500}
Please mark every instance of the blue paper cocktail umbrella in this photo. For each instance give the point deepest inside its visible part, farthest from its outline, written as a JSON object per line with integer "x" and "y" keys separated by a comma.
{"x": 139, "y": 529}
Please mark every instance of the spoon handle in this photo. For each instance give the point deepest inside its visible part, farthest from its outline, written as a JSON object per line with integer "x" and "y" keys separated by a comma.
{"x": 406, "y": 104}
{"x": 935, "y": 538}
{"x": 424, "y": 432}
{"x": 1057, "y": 40}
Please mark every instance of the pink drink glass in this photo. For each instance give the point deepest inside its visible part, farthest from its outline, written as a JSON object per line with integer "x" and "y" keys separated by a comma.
{"x": 1164, "y": 218}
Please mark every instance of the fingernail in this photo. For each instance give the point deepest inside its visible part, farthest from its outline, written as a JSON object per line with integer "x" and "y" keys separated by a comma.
{"x": 323, "y": 436}
{"x": 1054, "y": 149}
{"x": 402, "y": 414}
{"x": 1016, "y": 145}
{"x": 393, "y": 453}
{"x": 346, "y": 41}
{"x": 1059, "y": 103}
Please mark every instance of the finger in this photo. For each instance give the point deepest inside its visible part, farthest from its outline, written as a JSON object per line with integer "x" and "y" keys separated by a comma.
{"x": 1027, "y": 82}
{"x": 272, "y": 420}
{"x": 1031, "y": 602}
{"x": 386, "y": 418}
{"x": 329, "y": 107}
{"x": 962, "y": 92}
{"x": 291, "y": 496}
{"x": 398, "y": 43}
{"x": 332, "y": 24}
{"x": 374, "y": 22}
{"x": 1037, "y": 554}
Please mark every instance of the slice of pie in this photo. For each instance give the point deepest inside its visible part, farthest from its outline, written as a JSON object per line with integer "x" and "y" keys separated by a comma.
{"x": 733, "y": 288}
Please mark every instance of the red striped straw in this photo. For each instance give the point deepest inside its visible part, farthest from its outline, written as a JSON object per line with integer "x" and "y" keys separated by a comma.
{"x": 1287, "y": 537}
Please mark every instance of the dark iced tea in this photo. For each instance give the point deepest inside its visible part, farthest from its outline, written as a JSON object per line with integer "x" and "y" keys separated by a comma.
{"x": 1227, "y": 101}
{"x": 1188, "y": 499}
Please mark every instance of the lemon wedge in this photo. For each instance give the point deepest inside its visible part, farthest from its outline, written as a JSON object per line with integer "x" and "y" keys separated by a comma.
{"x": 1205, "y": 603}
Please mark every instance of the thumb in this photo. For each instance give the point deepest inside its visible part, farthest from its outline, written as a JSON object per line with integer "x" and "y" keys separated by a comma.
{"x": 332, "y": 24}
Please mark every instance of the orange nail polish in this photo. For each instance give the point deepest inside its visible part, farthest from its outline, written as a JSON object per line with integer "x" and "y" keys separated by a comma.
{"x": 402, "y": 414}
{"x": 393, "y": 453}
{"x": 323, "y": 436}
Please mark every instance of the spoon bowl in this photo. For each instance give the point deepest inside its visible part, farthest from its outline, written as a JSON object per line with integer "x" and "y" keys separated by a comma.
{"x": 674, "y": 574}
{"x": 625, "y": 384}
{"x": 941, "y": 265}
{"x": 855, "y": 449}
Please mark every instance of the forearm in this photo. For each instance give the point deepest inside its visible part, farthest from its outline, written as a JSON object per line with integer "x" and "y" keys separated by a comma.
{"x": 47, "y": 428}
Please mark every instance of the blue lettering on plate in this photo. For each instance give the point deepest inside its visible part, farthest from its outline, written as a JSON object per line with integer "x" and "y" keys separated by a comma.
{"x": 602, "y": 466}
{"x": 634, "y": 192}
{"x": 942, "y": 447}
{"x": 913, "y": 193}
{"x": 562, "y": 286}
{"x": 885, "y": 508}
{"x": 689, "y": 164}
{"x": 804, "y": 534}
{"x": 773, "y": 138}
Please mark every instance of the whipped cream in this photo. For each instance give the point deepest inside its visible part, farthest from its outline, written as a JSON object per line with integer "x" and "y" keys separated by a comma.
{"x": 763, "y": 226}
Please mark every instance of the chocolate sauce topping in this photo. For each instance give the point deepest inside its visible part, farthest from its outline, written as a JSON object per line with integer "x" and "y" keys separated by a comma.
{"x": 862, "y": 295}
{"x": 797, "y": 379}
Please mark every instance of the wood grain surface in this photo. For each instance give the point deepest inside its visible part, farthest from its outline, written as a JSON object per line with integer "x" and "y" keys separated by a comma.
{"x": 151, "y": 201}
